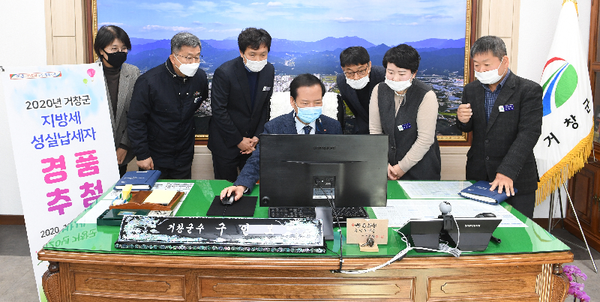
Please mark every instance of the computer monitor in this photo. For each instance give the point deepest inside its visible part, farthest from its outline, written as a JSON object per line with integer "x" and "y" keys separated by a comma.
{"x": 303, "y": 170}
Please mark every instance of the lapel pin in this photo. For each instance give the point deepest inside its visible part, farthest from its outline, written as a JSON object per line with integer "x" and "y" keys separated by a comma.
{"x": 504, "y": 108}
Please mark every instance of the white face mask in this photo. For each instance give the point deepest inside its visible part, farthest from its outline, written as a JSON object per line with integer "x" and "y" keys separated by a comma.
{"x": 358, "y": 84}
{"x": 255, "y": 66}
{"x": 398, "y": 85}
{"x": 188, "y": 69}
{"x": 490, "y": 76}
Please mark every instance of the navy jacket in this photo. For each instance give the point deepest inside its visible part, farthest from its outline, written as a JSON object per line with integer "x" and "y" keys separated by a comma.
{"x": 350, "y": 96}
{"x": 234, "y": 117}
{"x": 283, "y": 124}
{"x": 160, "y": 121}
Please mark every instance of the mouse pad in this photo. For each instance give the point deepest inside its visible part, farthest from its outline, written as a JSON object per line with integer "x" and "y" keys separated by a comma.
{"x": 241, "y": 208}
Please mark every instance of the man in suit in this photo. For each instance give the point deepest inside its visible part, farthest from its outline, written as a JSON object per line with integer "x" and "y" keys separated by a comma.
{"x": 161, "y": 116}
{"x": 240, "y": 99}
{"x": 356, "y": 84}
{"x": 504, "y": 111}
{"x": 306, "y": 97}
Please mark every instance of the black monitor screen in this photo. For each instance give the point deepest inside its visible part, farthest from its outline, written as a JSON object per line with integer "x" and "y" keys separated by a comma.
{"x": 303, "y": 170}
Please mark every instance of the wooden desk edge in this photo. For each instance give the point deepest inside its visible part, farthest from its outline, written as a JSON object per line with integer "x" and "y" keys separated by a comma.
{"x": 288, "y": 263}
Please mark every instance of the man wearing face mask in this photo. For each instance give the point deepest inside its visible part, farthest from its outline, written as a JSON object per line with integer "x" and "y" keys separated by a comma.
{"x": 161, "y": 116}
{"x": 306, "y": 97}
{"x": 357, "y": 83}
{"x": 240, "y": 100}
{"x": 406, "y": 110}
{"x": 504, "y": 111}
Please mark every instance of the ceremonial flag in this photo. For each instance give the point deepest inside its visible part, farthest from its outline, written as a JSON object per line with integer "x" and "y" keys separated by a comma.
{"x": 567, "y": 126}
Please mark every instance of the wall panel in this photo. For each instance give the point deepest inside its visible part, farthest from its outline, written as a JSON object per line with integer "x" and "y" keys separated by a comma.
{"x": 65, "y": 34}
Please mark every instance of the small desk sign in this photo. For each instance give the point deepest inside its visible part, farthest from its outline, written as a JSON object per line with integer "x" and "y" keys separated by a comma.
{"x": 359, "y": 230}
{"x": 222, "y": 234}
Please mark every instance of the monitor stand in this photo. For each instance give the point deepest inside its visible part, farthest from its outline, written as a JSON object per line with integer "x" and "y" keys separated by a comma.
{"x": 324, "y": 213}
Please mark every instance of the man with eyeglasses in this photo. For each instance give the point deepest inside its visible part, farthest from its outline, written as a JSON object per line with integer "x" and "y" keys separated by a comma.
{"x": 356, "y": 84}
{"x": 240, "y": 100}
{"x": 161, "y": 116}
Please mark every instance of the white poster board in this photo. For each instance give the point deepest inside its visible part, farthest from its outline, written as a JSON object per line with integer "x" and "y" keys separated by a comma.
{"x": 63, "y": 146}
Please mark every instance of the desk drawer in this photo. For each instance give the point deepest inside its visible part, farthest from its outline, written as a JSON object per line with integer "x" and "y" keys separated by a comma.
{"x": 298, "y": 286}
{"x": 126, "y": 284}
{"x": 493, "y": 284}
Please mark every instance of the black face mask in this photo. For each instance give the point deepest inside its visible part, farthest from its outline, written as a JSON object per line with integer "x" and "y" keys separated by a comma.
{"x": 116, "y": 59}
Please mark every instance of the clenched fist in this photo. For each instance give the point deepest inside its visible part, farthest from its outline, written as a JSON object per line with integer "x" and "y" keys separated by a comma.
{"x": 464, "y": 113}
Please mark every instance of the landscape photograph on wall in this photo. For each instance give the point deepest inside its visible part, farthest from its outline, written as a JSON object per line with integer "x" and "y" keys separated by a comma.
{"x": 307, "y": 37}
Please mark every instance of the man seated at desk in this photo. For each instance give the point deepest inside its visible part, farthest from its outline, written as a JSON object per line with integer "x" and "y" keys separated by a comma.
{"x": 306, "y": 97}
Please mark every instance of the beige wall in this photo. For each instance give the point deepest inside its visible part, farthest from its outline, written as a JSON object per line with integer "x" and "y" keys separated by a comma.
{"x": 501, "y": 18}
{"x": 66, "y": 45}
{"x": 65, "y": 32}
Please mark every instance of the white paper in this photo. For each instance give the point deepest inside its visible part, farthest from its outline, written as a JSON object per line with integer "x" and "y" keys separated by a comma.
{"x": 433, "y": 189}
{"x": 399, "y": 211}
{"x": 184, "y": 187}
{"x": 91, "y": 216}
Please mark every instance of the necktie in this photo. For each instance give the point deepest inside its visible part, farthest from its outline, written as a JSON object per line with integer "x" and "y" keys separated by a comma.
{"x": 307, "y": 129}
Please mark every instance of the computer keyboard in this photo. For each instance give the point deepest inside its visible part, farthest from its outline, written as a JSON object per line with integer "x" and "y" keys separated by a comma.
{"x": 350, "y": 212}
{"x": 292, "y": 212}
{"x": 309, "y": 212}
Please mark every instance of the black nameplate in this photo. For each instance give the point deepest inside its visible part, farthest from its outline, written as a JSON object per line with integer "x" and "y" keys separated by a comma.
{"x": 222, "y": 234}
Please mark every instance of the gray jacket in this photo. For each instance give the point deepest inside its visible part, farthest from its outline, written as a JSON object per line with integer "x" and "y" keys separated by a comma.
{"x": 129, "y": 75}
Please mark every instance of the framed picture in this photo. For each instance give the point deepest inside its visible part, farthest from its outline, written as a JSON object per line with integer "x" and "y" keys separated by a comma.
{"x": 308, "y": 36}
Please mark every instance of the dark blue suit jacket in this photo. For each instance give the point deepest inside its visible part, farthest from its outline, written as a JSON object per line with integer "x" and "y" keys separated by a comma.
{"x": 233, "y": 115}
{"x": 283, "y": 124}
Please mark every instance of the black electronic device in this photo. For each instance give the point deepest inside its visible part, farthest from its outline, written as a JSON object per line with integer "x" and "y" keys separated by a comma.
{"x": 292, "y": 212}
{"x": 316, "y": 170}
{"x": 228, "y": 200}
{"x": 306, "y": 170}
{"x": 475, "y": 233}
{"x": 485, "y": 214}
{"x": 243, "y": 207}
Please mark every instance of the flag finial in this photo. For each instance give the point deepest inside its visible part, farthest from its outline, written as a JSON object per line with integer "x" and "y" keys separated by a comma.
{"x": 574, "y": 3}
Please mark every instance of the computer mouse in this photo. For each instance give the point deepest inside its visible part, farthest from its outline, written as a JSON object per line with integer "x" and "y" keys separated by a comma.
{"x": 486, "y": 214}
{"x": 228, "y": 200}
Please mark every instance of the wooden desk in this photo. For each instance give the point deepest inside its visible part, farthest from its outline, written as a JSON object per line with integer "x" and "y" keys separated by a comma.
{"x": 76, "y": 273}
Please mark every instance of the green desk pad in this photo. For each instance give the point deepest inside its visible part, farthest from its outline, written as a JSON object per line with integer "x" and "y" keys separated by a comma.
{"x": 79, "y": 237}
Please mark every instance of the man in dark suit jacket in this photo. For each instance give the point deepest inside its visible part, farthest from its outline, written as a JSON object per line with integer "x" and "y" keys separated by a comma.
{"x": 307, "y": 100}
{"x": 504, "y": 111}
{"x": 240, "y": 99}
{"x": 356, "y": 84}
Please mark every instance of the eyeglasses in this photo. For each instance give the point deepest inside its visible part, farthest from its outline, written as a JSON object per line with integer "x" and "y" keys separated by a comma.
{"x": 191, "y": 59}
{"x": 361, "y": 73}
{"x": 116, "y": 49}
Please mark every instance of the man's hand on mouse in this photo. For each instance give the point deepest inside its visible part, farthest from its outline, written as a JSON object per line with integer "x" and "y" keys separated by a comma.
{"x": 237, "y": 190}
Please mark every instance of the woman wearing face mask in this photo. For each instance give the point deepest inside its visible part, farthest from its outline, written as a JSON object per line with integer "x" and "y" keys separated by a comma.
{"x": 111, "y": 46}
{"x": 406, "y": 110}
